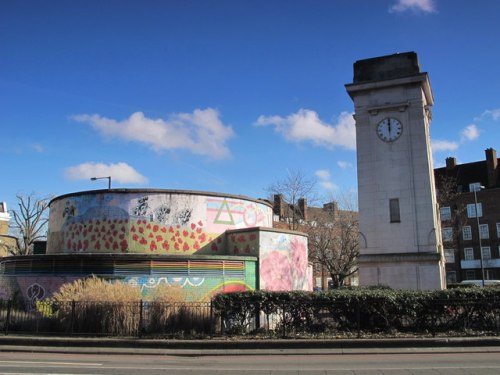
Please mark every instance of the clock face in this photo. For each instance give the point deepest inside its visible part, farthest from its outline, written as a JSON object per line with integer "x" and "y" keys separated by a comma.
{"x": 389, "y": 129}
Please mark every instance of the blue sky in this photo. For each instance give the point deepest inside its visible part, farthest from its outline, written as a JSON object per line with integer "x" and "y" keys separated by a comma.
{"x": 225, "y": 96}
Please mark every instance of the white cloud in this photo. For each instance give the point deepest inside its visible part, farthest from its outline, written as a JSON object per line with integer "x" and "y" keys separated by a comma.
{"x": 37, "y": 147}
{"x": 426, "y": 6}
{"x": 440, "y": 145}
{"x": 200, "y": 132}
{"x": 120, "y": 172}
{"x": 324, "y": 179}
{"x": 470, "y": 133}
{"x": 322, "y": 174}
{"x": 494, "y": 114}
{"x": 305, "y": 125}
{"x": 344, "y": 164}
{"x": 328, "y": 185}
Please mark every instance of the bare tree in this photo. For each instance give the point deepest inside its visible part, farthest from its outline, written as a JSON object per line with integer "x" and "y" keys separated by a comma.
{"x": 30, "y": 222}
{"x": 448, "y": 196}
{"x": 290, "y": 190}
{"x": 333, "y": 240}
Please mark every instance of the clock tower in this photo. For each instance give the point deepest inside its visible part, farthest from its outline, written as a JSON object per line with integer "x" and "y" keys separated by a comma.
{"x": 400, "y": 236}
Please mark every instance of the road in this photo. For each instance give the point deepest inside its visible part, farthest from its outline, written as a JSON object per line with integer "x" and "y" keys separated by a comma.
{"x": 335, "y": 364}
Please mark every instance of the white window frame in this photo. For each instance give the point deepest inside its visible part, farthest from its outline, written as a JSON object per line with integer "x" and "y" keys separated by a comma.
{"x": 486, "y": 252}
{"x": 471, "y": 210}
{"x": 447, "y": 234}
{"x": 468, "y": 253}
{"x": 467, "y": 232}
{"x": 498, "y": 230}
{"x": 445, "y": 213}
{"x": 484, "y": 232}
{"x": 451, "y": 277}
{"x": 474, "y": 186}
{"x": 449, "y": 255}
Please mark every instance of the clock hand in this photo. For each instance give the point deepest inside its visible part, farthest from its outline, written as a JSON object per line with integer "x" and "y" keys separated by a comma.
{"x": 389, "y": 126}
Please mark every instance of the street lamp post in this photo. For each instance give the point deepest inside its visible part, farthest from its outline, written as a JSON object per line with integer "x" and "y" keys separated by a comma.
{"x": 101, "y": 178}
{"x": 479, "y": 233}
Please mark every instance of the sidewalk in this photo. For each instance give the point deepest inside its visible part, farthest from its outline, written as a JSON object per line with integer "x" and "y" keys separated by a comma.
{"x": 213, "y": 347}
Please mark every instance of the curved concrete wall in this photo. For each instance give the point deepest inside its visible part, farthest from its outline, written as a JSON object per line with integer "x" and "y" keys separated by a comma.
{"x": 150, "y": 221}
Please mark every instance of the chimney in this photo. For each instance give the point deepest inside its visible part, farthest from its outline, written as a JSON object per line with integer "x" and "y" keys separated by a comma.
{"x": 302, "y": 203}
{"x": 278, "y": 207}
{"x": 451, "y": 163}
{"x": 331, "y": 208}
{"x": 492, "y": 165}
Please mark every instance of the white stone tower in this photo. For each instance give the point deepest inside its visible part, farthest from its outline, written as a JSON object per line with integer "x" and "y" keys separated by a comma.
{"x": 400, "y": 239}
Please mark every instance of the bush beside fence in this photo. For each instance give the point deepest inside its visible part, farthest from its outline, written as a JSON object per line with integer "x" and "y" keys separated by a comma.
{"x": 352, "y": 313}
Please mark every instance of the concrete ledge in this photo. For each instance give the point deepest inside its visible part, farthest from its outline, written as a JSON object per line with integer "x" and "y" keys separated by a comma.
{"x": 245, "y": 347}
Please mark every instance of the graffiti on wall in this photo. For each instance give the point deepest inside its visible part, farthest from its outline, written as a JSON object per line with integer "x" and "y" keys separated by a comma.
{"x": 226, "y": 213}
{"x": 35, "y": 292}
{"x": 243, "y": 243}
{"x": 147, "y": 284}
{"x": 158, "y": 223}
{"x": 32, "y": 288}
{"x": 200, "y": 279}
{"x": 283, "y": 263}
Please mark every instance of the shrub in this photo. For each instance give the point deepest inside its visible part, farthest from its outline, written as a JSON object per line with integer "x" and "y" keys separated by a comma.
{"x": 169, "y": 313}
{"x": 94, "y": 305}
{"x": 363, "y": 309}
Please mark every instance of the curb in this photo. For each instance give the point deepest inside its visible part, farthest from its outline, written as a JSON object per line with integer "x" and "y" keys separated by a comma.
{"x": 217, "y": 347}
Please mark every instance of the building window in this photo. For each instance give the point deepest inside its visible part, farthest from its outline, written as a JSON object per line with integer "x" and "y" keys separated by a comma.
{"x": 484, "y": 232}
{"x": 467, "y": 232}
{"x": 447, "y": 234}
{"x": 471, "y": 210}
{"x": 451, "y": 277}
{"x": 445, "y": 213}
{"x": 475, "y": 186}
{"x": 394, "y": 210}
{"x": 449, "y": 255}
{"x": 469, "y": 253}
{"x": 498, "y": 230}
{"x": 486, "y": 251}
{"x": 470, "y": 275}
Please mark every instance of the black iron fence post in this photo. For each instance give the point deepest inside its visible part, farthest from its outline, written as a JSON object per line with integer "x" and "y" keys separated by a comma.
{"x": 212, "y": 320}
{"x": 139, "y": 328}
{"x": 283, "y": 319}
{"x": 7, "y": 318}
{"x": 72, "y": 317}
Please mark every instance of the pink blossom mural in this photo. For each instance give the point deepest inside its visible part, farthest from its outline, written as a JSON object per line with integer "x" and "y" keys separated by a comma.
{"x": 276, "y": 271}
{"x": 284, "y": 262}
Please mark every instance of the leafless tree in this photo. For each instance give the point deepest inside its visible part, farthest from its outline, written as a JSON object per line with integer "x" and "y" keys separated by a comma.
{"x": 449, "y": 196}
{"x": 333, "y": 240}
{"x": 30, "y": 222}
{"x": 294, "y": 187}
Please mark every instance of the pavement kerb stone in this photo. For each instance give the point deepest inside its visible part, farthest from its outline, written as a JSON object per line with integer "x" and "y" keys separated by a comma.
{"x": 244, "y": 347}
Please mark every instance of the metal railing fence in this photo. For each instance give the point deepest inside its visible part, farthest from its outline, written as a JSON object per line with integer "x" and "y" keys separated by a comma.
{"x": 289, "y": 319}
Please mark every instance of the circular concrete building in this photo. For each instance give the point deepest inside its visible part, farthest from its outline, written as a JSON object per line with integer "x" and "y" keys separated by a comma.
{"x": 205, "y": 242}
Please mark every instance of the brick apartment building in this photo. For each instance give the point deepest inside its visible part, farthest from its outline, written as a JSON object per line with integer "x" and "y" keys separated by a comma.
{"x": 471, "y": 238}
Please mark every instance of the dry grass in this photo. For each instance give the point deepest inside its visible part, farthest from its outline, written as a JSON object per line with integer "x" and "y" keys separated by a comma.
{"x": 170, "y": 314}
{"x": 94, "y": 289}
{"x": 94, "y": 305}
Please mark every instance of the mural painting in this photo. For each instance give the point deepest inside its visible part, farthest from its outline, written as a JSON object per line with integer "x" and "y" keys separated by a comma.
{"x": 32, "y": 288}
{"x": 156, "y": 223}
{"x": 203, "y": 242}
{"x": 284, "y": 262}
